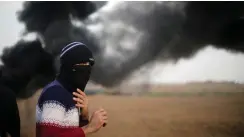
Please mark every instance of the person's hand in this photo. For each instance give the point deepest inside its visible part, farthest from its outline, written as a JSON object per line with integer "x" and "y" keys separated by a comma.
{"x": 98, "y": 119}
{"x": 82, "y": 102}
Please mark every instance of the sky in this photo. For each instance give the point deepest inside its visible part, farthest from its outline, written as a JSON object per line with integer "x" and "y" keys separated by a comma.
{"x": 209, "y": 64}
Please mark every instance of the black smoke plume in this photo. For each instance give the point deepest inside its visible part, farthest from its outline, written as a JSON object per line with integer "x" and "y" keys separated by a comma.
{"x": 128, "y": 35}
{"x": 156, "y": 30}
{"x": 142, "y": 32}
{"x": 38, "y": 15}
{"x": 26, "y": 67}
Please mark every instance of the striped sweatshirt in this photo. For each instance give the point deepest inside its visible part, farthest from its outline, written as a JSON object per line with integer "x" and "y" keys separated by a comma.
{"x": 56, "y": 113}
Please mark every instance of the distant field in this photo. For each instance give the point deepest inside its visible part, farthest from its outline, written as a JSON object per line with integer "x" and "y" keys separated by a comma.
{"x": 198, "y": 87}
{"x": 192, "y": 94}
{"x": 185, "y": 114}
{"x": 179, "y": 89}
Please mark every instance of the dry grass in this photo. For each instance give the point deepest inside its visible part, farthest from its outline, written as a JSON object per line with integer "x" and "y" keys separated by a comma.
{"x": 172, "y": 116}
{"x": 166, "y": 116}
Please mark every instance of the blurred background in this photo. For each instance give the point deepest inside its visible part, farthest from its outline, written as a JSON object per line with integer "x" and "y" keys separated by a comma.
{"x": 163, "y": 68}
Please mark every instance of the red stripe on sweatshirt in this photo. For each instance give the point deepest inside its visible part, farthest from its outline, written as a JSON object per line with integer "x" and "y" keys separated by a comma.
{"x": 48, "y": 130}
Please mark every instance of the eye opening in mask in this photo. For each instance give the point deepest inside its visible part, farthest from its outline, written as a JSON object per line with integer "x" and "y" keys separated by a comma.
{"x": 91, "y": 62}
{"x": 81, "y": 67}
{"x": 83, "y": 64}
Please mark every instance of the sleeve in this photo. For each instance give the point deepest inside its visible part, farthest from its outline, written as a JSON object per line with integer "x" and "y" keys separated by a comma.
{"x": 10, "y": 120}
{"x": 14, "y": 129}
{"x": 51, "y": 131}
{"x": 83, "y": 122}
{"x": 52, "y": 120}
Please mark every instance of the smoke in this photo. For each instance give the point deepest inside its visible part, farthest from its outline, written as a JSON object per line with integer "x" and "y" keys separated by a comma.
{"x": 123, "y": 36}
{"x": 142, "y": 32}
{"x": 136, "y": 34}
{"x": 25, "y": 63}
{"x": 99, "y": 4}
{"x": 29, "y": 65}
{"x": 38, "y": 15}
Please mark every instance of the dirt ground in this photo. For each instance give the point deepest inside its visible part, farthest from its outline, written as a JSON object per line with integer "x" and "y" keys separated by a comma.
{"x": 188, "y": 116}
{"x": 172, "y": 116}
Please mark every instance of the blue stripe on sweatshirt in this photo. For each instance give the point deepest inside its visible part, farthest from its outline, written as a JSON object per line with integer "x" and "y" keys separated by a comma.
{"x": 56, "y": 93}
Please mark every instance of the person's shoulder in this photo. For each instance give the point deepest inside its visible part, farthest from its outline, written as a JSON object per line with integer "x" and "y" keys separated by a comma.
{"x": 55, "y": 94}
{"x": 54, "y": 91}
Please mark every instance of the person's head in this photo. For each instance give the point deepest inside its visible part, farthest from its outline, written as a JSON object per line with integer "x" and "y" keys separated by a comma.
{"x": 76, "y": 62}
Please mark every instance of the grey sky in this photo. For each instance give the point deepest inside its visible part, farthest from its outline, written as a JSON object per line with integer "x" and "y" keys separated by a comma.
{"x": 209, "y": 64}
{"x": 10, "y": 28}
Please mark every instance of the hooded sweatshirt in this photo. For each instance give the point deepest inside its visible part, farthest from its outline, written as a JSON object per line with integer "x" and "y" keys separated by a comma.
{"x": 56, "y": 113}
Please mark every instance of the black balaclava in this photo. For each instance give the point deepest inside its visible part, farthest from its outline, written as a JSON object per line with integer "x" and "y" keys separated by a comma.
{"x": 72, "y": 75}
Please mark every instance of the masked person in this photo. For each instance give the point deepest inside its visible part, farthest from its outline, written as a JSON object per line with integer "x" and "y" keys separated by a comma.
{"x": 57, "y": 114}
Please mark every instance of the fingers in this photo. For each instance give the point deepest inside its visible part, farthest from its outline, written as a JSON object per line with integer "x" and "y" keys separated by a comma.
{"x": 79, "y": 95}
{"x": 100, "y": 116}
{"x": 81, "y": 92}
{"x": 102, "y": 113}
{"x": 105, "y": 118}
{"x": 80, "y": 105}
{"x": 101, "y": 110}
{"x": 78, "y": 100}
